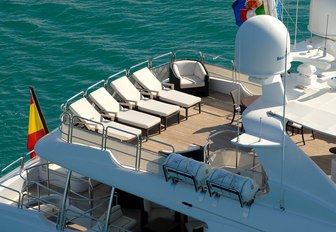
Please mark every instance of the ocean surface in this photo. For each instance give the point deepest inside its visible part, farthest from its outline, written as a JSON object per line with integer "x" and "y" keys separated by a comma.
{"x": 61, "y": 47}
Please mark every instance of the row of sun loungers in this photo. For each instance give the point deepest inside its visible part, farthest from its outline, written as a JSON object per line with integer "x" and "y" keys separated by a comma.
{"x": 159, "y": 90}
{"x": 142, "y": 113}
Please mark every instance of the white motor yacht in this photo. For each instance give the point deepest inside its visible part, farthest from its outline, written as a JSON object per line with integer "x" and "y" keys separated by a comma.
{"x": 113, "y": 169}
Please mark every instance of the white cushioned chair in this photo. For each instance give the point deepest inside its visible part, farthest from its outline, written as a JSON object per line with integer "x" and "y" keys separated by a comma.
{"x": 151, "y": 84}
{"x": 85, "y": 110}
{"x": 189, "y": 76}
{"x": 117, "y": 222}
{"x": 131, "y": 95}
{"x": 108, "y": 105}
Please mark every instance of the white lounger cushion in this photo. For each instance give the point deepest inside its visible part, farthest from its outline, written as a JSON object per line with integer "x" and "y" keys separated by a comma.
{"x": 191, "y": 73}
{"x": 105, "y": 101}
{"x": 147, "y": 79}
{"x": 156, "y": 107}
{"x": 83, "y": 108}
{"x": 179, "y": 98}
{"x": 127, "y": 91}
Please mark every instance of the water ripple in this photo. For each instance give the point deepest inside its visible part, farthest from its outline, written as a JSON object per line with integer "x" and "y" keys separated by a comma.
{"x": 61, "y": 47}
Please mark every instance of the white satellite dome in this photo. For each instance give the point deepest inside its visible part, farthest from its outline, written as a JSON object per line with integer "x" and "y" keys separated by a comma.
{"x": 261, "y": 45}
{"x": 322, "y": 11}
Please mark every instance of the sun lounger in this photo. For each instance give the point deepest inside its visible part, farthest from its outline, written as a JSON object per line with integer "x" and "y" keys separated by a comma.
{"x": 150, "y": 83}
{"x": 85, "y": 110}
{"x": 109, "y": 106}
{"x": 127, "y": 91}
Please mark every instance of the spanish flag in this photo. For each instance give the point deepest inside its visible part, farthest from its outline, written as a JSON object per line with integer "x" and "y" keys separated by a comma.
{"x": 37, "y": 126}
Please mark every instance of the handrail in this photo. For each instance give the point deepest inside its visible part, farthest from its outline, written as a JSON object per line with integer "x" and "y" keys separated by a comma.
{"x": 163, "y": 55}
{"x": 64, "y": 106}
{"x": 9, "y": 199}
{"x": 69, "y": 127}
{"x": 94, "y": 85}
{"x": 138, "y": 142}
{"x": 79, "y": 198}
{"x": 163, "y": 143}
{"x": 185, "y": 51}
{"x": 157, "y": 141}
{"x": 137, "y": 65}
{"x": 207, "y": 145}
{"x": 114, "y": 75}
{"x": 90, "y": 120}
{"x": 216, "y": 57}
{"x": 11, "y": 164}
{"x": 35, "y": 166}
{"x": 22, "y": 158}
{"x": 150, "y": 64}
{"x": 45, "y": 199}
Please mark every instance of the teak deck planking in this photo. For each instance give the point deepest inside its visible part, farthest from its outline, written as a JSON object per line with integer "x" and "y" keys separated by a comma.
{"x": 216, "y": 116}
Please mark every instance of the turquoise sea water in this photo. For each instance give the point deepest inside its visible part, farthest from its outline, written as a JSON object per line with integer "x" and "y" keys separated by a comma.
{"x": 61, "y": 47}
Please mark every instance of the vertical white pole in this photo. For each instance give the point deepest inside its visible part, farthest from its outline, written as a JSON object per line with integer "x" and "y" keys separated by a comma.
{"x": 61, "y": 223}
{"x": 296, "y": 21}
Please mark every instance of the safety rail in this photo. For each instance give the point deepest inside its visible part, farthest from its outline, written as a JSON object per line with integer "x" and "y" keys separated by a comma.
{"x": 157, "y": 153}
{"x": 21, "y": 159}
{"x": 201, "y": 57}
{"x": 64, "y": 118}
{"x": 18, "y": 202}
{"x": 207, "y": 145}
{"x": 94, "y": 85}
{"x": 242, "y": 161}
{"x": 115, "y": 75}
{"x": 150, "y": 64}
{"x": 73, "y": 122}
{"x": 53, "y": 200}
{"x": 138, "y": 142}
{"x": 104, "y": 138}
{"x": 137, "y": 65}
{"x": 65, "y": 105}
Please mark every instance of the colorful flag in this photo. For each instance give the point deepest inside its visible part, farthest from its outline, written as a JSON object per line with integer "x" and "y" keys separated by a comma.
{"x": 37, "y": 126}
{"x": 245, "y": 9}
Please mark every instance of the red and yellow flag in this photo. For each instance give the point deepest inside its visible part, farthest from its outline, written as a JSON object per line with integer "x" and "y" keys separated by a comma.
{"x": 37, "y": 126}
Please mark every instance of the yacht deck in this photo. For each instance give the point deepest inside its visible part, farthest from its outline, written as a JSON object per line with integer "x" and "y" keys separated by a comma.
{"x": 216, "y": 116}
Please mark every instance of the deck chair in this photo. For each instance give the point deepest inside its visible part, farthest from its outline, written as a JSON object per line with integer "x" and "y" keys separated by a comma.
{"x": 150, "y": 83}
{"x": 109, "y": 106}
{"x": 298, "y": 128}
{"x": 85, "y": 110}
{"x": 117, "y": 221}
{"x": 127, "y": 91}
{"x": 189, "y": 76}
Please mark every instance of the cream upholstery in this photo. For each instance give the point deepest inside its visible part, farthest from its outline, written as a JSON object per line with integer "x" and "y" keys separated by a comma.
{"x": 148, "y": 81}
{"x": 117, "y": 222}
{"x": 128, "y": 92}
{"x": 189, "y": 74}
{"x": 84, "y": 109}
{"x": 104, "y": 100}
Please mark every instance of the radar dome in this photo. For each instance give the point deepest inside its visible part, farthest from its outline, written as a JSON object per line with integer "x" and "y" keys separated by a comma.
{"x": 261, "y": 44}
{"x": 322, "y": 12}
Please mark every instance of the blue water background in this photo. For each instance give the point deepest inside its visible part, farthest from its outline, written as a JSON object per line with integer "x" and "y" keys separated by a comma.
{"x": 61, "y": 47}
